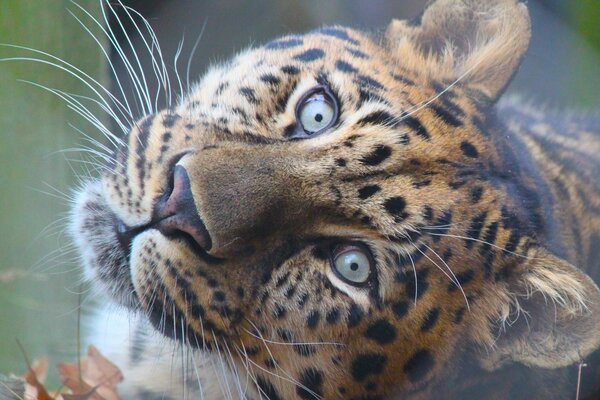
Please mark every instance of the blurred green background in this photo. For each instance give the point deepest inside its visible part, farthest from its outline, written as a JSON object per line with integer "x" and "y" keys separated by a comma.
{"x": 39, "y": 281}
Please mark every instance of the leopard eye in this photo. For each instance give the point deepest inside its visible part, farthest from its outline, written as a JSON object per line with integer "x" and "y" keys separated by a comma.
{"x": 352, "y": 264}
{"x": 317, "y": 111}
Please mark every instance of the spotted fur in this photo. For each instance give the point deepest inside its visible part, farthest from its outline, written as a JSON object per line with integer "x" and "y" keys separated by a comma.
{"x": 475, "y": 213}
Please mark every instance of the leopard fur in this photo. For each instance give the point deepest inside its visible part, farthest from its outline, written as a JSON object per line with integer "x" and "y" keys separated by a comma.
{"x": 473, "y": 211}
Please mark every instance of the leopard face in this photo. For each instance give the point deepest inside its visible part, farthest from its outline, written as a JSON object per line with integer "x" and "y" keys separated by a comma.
{"x": 338, "y": 212}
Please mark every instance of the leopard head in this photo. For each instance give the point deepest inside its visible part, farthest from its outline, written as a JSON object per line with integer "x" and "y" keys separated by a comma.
{"x": 342, "y": 214}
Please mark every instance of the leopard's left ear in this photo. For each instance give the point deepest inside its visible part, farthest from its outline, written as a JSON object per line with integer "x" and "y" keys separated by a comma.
{"x": 480, "y": 42}
{"x": 550, "y": 317}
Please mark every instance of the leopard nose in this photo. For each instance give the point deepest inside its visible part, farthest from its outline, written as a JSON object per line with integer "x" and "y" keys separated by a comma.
{"x": 175, "y": 214}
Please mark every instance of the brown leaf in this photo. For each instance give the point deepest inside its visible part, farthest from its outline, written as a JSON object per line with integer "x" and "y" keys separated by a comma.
{"x": 98, "y": 381}
{"x": 69, "y": 376}
{"x": 35, "y": 389}
{"x": 102, "y": 373}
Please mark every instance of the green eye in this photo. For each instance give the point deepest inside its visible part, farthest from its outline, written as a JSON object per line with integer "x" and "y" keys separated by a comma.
{"x": 352, "y": 264}
{"x": 317, "y": 111}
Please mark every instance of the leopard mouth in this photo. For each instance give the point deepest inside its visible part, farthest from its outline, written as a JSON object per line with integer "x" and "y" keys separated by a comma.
{"x": 105, "y": 258}
{"x": 106, "y": 242}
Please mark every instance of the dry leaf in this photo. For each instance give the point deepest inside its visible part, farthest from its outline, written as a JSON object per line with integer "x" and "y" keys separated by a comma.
{"x": 95, "y": 379}
{"x": 69, "y": 376}
{"x": 35, "y": 390}
{"x": 98, "y": 381}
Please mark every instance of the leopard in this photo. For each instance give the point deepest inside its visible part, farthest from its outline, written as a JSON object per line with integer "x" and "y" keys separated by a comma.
{"x": 356, "y": 215}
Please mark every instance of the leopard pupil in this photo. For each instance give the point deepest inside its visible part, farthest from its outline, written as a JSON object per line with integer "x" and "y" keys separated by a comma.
{"x": 319, "y": 117}
{"x": 354, "y": 266}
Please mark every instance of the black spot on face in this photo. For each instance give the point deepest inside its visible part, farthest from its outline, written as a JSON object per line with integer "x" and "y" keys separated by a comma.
{"x": 270, "y": 79}
{"x": 416, "y": 126}
{"x": 290, "y": 70}
{"x": 379, "y": 155}
{"x": 169, "y": 120}
{"x": 345, "y": 67}
{"x": 310, "y": 55}
{"x": 474, "y": 230}
{"x": 430, "y": 319}
{"x": 368, "y": 364}
{"x": 416, "y": 286}
{"x": 240, "y": 292}
{"x": 355, "y": 315}
{"x": 333, "y": 316}
{"x": 403, "y": 79}
{"x": 338, "y": 33}
{"x": 357, "y": 53}
{"x": 459, "y": 315}
{"x": 448, "y": 117}
{"x": 279, "y": 311}
{"x": 249, "y": 94}
{"x": 400, "y": 309}
{"x": 419, "y": 365}
{"x": 313, "y": 319}
{"x": 381, "y": 331}
{"x": 303, "y": 299}
{"x": 476, "y": 194}
{"x": 469, "y": 150}
{"x": 513, "y": 242}
{"x": 267, "y": 389}
{"x": 364, "y": 80}
{"x": 463, "y": 278}
{"x": 378, "y": 118}
{"x": 443, "y": 224}
{"x": 284, "y": 44}
{"x": 367, "y": 191}
{"x": 219, "y": 296}
{"x": 396, "y": 206}
{"x": 340, "y": 162}
{"x": 311, "y": 381}
{"x": 428, "y": 213}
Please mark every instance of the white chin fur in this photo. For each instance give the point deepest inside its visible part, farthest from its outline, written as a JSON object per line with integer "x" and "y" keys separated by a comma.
{"x": 154, "y": 366}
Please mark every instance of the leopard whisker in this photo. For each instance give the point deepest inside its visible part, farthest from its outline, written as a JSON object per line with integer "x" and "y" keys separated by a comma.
{"x": 80, "y": 109}
{"x": 233, "y": 368}
{"x": 160, "y": 69}
{"x": 70, "y": 69}
{"x": 450, "y": 276}
{"x": 293, "y": 343}
{"x": 125, "y": 109}
{"x": 224, "y": 385}
{"x": 191, "y": 57}
{"x": 288, "y": 377}
{"x": 137, "y": 76}
{"x": 177, "y": 76}
{"x": 524, "y": 256}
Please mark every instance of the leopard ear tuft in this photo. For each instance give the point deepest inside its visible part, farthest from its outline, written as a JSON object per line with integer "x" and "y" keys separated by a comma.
{"x": 479, "y": 42}
{"x": 550, "y": 317}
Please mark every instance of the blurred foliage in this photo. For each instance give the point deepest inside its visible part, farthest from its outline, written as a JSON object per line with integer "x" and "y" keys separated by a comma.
{"x": 37, "y": 301}
{"x": 587, "y": 20}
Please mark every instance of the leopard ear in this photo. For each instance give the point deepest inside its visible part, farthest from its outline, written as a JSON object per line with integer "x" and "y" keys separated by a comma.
{"x": 480, "y": 42}
{"x": 550, "y": 317}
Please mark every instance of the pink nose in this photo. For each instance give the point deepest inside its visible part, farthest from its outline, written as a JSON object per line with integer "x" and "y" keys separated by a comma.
{"x": 177, "y": 214}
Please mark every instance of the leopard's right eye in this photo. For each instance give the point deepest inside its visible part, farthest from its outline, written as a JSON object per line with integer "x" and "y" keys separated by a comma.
{"x": 317, "y": 111}
{"x": 353, "y": 264}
